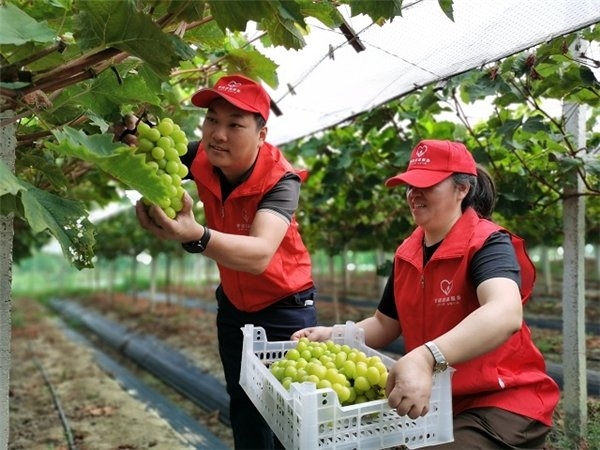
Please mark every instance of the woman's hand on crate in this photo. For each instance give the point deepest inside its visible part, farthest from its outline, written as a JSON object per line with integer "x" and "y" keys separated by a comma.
{"x": 409, "y": 384}
{"x": 318, "y": 334}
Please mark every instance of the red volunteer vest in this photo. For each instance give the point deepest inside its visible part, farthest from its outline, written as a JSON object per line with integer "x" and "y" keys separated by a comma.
{"x": 513, "y": 376}
{"x": 290, "y": 269}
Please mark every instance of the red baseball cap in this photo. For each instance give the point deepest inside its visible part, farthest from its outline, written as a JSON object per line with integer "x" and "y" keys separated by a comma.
{"x": 432, "y": 161}
{"x": 238, "y": 90}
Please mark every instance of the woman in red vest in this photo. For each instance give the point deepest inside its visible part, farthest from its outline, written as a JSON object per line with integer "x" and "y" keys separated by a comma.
{"x": 456, "y": 295}
{"x": 250, "y": 194}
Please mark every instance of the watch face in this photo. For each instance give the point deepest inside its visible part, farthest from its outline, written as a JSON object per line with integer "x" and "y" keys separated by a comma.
{"x": 440, "y": 367}
{"x": 193, "y": 247}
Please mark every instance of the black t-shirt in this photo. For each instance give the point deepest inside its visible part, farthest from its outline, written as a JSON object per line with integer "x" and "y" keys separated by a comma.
{"x": 497, "y": 258}
{"x": 282, "y": 199}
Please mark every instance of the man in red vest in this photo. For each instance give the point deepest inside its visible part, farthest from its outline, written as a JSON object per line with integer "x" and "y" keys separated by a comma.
{"x": 250, "y": 194}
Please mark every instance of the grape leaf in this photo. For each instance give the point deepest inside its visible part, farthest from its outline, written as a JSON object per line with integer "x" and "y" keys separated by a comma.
{"x": 65, "y": 219}
{"x": 18, "y": 27}
{"x": 119, "y": 25}
{"x": 114, "y": 158}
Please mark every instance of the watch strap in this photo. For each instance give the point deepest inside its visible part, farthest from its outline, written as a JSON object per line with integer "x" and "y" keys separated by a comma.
{"x": 198, "y": 246}
{"x": 440, "y": 363}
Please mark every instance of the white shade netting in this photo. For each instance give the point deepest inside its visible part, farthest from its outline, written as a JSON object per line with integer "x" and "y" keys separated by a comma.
{"x": 328, "y": 81}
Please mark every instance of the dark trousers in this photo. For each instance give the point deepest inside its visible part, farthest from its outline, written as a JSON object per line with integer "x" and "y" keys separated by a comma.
{"x": 495, "y": 429}
{"x": 250, "y": 431}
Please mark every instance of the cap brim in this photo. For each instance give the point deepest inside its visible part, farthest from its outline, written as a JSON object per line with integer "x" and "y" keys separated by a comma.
{"x": 205, "y": 97}
{"x": 418, "y": 178}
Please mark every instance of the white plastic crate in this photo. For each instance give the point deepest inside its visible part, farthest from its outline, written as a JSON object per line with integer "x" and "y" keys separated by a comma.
{"x": 307, "y": 418}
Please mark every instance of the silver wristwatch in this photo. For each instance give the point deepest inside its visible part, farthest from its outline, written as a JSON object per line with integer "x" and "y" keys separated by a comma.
{"x": 440, "y": 363}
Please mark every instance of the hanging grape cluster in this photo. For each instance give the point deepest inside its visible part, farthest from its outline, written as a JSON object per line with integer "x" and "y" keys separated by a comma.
{"x": 354, "y": 376}
{"x": 162, "y": 146}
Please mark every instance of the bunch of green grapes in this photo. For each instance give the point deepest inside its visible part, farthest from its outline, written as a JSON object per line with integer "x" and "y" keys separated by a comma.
{"x": 162, "y": 146}
{"x": 354, "y": 376}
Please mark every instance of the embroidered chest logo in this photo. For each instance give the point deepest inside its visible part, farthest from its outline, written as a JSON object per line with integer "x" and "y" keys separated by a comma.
{"x": 447, "y": 299}
{"x": 244, "y": 227}
{"x": 446, "y": 286}
{"x": 245, "y": 215}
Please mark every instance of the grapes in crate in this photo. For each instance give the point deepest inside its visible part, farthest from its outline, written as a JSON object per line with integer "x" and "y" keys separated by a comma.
{"x": 162, "y": 146}
{"x": 354, "y": 376}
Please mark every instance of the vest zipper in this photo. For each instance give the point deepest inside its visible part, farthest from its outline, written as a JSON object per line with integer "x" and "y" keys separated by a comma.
{"x": 422, "y": 281}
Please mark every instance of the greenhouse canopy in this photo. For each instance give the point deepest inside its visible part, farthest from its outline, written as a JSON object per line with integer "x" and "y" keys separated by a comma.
{"x": 330, "y": 80}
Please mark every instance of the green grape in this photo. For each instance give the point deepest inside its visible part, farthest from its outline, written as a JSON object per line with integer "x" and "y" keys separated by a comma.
{"x": 324, "y": 383}
{"x": 183, "y": 171}
{"x": 145, "y": 144}
{"x": 362, "y": 384}
{"x": 361, "y": 369}
{"x": 172, "y": 167}
{"x": 142, "y": 129}
{"x": 292, "y": 354}
{"x": 171, "y": 190}
{"x": 181, "y": 148}
{"x": 152, "y": 134}
{"x": 306, "y": 354}
{"x": 373, "y": 375}
{"x": 176, "y": 180}
{"x": 349, "y": 369}
{"x": 158, "y": 153}
{"x": 166, "y": 179}
{"x": 278, "y": 372}
{"x": 383, "y": 380}
{"x": 343, "y": 392}
{"x": 164, "y": 203}
{"x": 312, "y": 379}
{"x": 290, "y": 371}
{"x": 340, "y": 358}
{"x": 165, "y": 142}
{"x": 349, "y": 372}
{"x": 171, "y": 154}
{"x": 166, "y": 126}
{"x": 177, "y": 205}
{"x": 170, "y": 212}
{"x": 179, "y": 137}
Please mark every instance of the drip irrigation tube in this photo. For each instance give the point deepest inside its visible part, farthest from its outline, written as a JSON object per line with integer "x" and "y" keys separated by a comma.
{"x": 57, "y": 404}
{"x": 188, "y": 428}
{"x": 163, "y": 361}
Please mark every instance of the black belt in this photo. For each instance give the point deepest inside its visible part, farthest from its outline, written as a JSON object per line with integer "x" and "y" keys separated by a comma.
{"x": 302, "y": 298}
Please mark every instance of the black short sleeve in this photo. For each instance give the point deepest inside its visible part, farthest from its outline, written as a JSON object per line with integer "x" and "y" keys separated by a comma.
{"x": 283, "y": 197}
{"x": 188, "y": 158}
{"x": 496, "y": 259}
{"x": 387, "y": 305}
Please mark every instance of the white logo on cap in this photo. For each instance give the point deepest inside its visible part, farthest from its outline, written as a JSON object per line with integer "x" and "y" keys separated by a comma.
{"x": 420, "y": 158}
{"x": 233, "y": 87}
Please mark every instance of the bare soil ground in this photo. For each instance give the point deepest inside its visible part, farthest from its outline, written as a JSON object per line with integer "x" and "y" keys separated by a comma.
{"x": 104, "y": 416}
{"x": 100, "y": 413}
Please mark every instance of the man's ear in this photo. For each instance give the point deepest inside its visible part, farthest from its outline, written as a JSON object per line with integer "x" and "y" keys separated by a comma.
{"x": 262, "y": 135}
